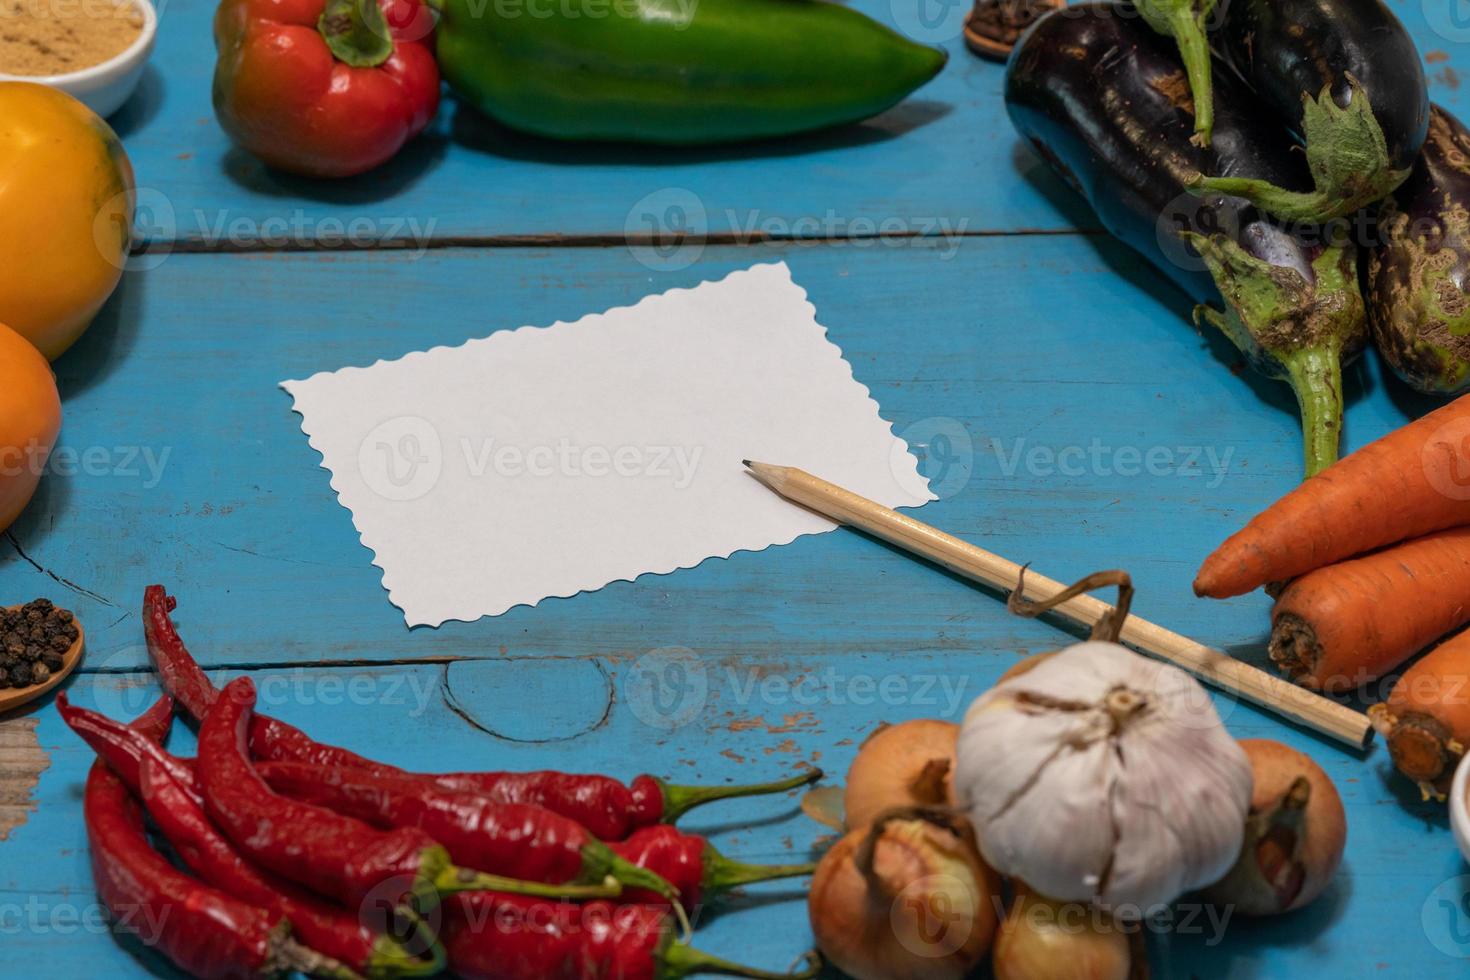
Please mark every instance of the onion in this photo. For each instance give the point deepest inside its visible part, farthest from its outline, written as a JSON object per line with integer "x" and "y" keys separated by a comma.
{"x": 910, "y": 764}
{"x": 1295, "y": 834}
{"x": 907, "y": 899}
{"x": 1046, "y": 940}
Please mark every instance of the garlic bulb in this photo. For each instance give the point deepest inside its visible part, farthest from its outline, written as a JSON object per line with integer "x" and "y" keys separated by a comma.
{"x": 1102, "y": 776}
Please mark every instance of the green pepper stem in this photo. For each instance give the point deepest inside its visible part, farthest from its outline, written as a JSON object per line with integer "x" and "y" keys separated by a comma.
{"x": 677, "y": 960}
{"x": 393, "y": 958}
{"x": 722, "y": 874}
{"x": 679, "y": 800}
{"x": 1347, "y": 155}
{"x": 1315, "y": 373}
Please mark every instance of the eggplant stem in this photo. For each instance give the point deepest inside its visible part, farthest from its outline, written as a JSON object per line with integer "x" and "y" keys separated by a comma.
{"x": 1109, "y": 626}
{"x": 1315, "y": 374}
{"x": 679, "y": 800}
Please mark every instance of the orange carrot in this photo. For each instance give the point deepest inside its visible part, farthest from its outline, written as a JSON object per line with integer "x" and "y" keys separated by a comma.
{"x": 1345, "y": 625}
{"x": 1426, "y": 718}
{"x": 1412, "y": 482}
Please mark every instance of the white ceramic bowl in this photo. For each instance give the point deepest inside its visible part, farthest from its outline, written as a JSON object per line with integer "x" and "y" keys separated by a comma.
{"x": 1460, "y": 807}
{"x": 105, "y": 87}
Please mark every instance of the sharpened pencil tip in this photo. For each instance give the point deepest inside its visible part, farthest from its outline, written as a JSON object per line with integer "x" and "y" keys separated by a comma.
{"x": 746, "y": 462}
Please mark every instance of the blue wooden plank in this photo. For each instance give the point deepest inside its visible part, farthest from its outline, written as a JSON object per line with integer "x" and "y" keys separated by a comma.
{"x": 946, "y": 161}
{"x": 1073, "y": 418}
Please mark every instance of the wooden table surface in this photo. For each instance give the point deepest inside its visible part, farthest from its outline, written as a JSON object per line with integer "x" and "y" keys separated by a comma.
{"x": 1052, "y": 384}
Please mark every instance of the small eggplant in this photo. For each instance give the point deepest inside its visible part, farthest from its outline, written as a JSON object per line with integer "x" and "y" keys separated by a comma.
{"x": 1105, "y": 101}
{"x": 1419, "y": 274}
{"x": 1347, "y": 77}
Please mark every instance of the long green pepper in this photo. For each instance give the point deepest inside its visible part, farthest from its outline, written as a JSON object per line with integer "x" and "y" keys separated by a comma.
{"x": 675, "y": 71}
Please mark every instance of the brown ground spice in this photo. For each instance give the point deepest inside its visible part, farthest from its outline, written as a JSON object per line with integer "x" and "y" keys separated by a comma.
{"x": 54, "y": 37}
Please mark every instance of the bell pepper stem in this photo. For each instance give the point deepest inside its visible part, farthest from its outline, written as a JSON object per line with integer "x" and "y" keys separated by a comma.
{"x": 1347, "y": 155}
{"x": 679, "y": 800}
{"x": 356, "y": 32}
{"x": 722, "y": 874}
{"x": 1186, "y": 22}
{"x": 678, "y": 960}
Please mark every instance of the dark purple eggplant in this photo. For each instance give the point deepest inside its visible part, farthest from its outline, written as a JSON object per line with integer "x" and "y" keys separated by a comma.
{"x": 1419, "y": 273}
{"x": 1105, "y": 101}
{"x": 1346, "y": 76}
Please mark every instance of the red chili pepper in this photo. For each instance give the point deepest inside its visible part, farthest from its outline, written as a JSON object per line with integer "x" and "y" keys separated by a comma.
{"x": 167, "y": 786}
{"x": 325, "y": 88}
{"x": 693, "y": 866}
{"x": 507, "y": 937}
{"x": 205, "y": 932}
{"x": 510, "y": 839}
{"x": 609, "y": 810}
{"x": 358, "y": 865}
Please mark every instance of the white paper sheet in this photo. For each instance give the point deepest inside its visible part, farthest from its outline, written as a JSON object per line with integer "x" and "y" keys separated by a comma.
{"x": 544, "y": 462}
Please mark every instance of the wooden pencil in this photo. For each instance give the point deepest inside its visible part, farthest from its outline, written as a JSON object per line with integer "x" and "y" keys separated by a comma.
{"x": 1211, "y": 666}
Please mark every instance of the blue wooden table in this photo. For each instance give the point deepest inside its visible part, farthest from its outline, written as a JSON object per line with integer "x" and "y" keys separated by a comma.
{"x": 1066, "y": 410}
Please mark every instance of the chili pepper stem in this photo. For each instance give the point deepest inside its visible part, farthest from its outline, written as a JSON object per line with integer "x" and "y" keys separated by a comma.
{"x": 394, "y": 958}
{"x": 679, "y": 800}
{"x": 453, "y": 880}
{"x": 601, "y": 863}
{"x": 678, "y": 960}
{"x": 1187, "y": 25}
{"x": 722, "y": 874}
{"x": 1347, "y": 155}
{"x": 289, "y": 955}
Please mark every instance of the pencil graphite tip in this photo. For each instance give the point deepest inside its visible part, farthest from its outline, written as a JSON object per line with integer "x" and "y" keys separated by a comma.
{"x": 746, "y": 462}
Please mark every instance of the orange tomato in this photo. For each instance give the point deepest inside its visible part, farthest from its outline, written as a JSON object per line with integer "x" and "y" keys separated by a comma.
{"x": 30, "y": 419}
{"x": 66, "y": 214}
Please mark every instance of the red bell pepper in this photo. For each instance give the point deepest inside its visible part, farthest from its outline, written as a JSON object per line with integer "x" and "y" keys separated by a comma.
{"x": 324, "y": 88}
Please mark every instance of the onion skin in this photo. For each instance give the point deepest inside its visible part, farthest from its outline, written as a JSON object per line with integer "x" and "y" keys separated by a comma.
{"x": 1295, "y": 834}
{"x": 909, "y": 764}
{"x": 1026, "y": 665}
{"x": 879, "y": 926}
{"x": 1045, "y": 940}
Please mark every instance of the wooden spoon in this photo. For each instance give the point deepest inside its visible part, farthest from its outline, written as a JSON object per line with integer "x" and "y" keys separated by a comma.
{"x": 14, "y": 697}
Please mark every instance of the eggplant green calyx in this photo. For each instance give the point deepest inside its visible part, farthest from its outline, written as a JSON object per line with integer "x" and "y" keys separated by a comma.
{"x": 1347, "y": 155}
{"x": 1187, "y": 22}
{"x": 356, "y": 32}
{"x": 1292, "y": 328}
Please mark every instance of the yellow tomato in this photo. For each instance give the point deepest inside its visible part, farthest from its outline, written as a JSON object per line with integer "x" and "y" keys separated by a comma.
{"x": 30, "y": 418}
{"x": 66, "y": 214}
